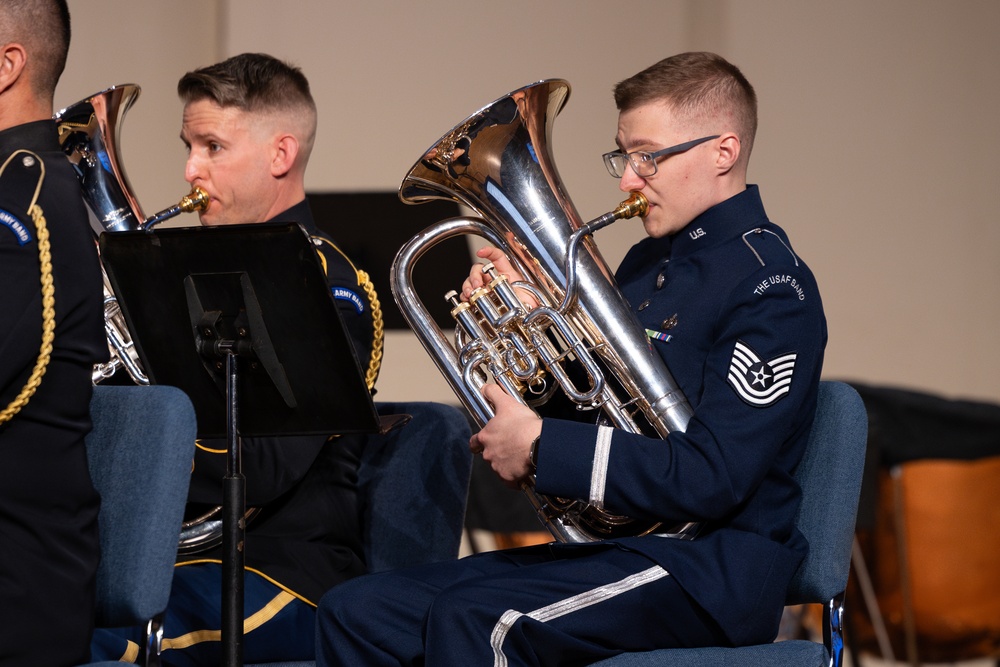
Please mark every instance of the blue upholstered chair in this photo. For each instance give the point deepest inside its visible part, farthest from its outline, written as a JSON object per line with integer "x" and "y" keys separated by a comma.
{"x": 139, "y": 453}
{"x": 830, "y": 477}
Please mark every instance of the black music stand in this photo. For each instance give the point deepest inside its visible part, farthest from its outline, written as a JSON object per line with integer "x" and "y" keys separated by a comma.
{"x": 240, "y": 317}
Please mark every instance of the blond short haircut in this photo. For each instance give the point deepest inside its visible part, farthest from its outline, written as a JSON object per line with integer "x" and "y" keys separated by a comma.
{"x": 697, "y": 85}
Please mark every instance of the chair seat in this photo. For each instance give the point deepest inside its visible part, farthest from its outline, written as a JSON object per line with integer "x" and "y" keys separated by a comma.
{"x": 792, "y": 653}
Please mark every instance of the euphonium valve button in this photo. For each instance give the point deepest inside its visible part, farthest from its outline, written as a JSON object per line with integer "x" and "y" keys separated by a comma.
{"x": 457, "y": 306}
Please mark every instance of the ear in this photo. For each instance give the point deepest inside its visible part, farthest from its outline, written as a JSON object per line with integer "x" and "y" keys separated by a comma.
{"x": 286, "y": 154}
{"x": 729, "y": 152}
{"x": 12, "y": 60}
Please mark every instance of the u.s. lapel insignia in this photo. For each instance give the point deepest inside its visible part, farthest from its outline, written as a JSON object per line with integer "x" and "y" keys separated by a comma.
{"x": 760, "y": 383}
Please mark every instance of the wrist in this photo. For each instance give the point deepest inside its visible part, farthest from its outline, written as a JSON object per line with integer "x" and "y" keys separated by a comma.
{"x": 533, "y": 454}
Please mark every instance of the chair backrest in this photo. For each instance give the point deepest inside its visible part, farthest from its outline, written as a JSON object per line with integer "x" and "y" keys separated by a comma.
{"x": 139, "y": 453}
{"x": 830, "y": 477}
{"x": 413, "y": 484}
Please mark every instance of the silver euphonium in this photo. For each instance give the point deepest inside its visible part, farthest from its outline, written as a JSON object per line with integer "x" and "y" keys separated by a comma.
{"x": 497, "y": 162}
{"x": 89, "y": 133}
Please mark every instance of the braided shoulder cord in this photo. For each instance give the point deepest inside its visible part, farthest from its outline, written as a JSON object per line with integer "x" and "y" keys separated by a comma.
{"x": 48, "y": 317}
{"x": 378, "y": 329}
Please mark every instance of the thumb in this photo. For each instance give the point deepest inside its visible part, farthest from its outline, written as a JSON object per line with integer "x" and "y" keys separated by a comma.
{"x": 498, "y": 396}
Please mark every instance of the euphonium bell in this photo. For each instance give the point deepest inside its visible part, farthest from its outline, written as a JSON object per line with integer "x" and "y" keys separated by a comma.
{"x": 497, "y": 162}
{"x": 89, "y": 134}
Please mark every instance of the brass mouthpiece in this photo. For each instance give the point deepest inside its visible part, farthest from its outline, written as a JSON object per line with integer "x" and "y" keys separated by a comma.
{"x": 196, "y": 200}
{"x": 636, "y": 204}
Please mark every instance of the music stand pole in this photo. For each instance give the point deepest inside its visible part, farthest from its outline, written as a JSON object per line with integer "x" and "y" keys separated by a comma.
{"x": 233, "y": 529}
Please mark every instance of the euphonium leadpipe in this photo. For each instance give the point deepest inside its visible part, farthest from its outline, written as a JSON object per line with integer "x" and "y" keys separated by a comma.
{"x": 497, "y": 162}
{"x": 89, "y": 135}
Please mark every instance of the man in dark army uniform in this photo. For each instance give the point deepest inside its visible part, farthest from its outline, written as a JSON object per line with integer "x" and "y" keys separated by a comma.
{"x": 51, "y": 335}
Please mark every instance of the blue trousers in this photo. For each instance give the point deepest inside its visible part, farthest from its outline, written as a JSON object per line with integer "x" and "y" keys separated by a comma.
{"x": 547, "y": 605}
{"x": 277, "y": 625}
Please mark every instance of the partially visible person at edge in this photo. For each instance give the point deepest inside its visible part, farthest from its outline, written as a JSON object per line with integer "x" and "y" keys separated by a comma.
{"x": 49, "y": 548}
{"x": 249, "y": 124}
{"x": 737, "y": 317}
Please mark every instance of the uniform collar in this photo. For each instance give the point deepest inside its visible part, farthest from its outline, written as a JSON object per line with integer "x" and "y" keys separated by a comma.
{"x": 300, "y": 214}
{"x": 39, "y": 135}
{"x": 724, "y": 221}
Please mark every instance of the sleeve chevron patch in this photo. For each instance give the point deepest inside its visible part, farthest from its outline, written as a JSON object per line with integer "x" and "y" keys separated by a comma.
{"x": 760, "y": 383}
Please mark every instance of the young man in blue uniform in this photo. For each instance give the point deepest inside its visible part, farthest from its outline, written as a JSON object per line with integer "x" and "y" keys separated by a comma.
{"x": 249, "y": 123}
{"x": 51, "y": 335}
{"x": 737, "y": 317}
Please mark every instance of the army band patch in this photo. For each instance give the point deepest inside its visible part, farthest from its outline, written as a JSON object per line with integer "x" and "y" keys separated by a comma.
{"x": 22, "y": 233}
{"x": 760, "y": 383}
{"x": 345, "y": 294}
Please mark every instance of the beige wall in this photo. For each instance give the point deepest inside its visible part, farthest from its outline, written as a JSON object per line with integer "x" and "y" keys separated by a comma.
{"x": 876, "y": 146}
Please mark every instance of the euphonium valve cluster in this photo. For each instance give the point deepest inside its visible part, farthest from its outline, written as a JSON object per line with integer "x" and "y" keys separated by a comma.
{"x": 574, "y": 332}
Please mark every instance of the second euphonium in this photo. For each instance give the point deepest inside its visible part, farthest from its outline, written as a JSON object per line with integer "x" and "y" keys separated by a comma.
{"x": 89, "y": 134}
{"x": 497, "y": 162}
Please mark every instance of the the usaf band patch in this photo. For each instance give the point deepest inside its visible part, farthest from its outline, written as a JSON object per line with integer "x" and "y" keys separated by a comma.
{"x": 22, "y": 233}
{"x": 760, "y": 383}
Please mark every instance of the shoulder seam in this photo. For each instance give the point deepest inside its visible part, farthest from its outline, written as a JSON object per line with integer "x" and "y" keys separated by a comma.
{"x": 758, "y": 230}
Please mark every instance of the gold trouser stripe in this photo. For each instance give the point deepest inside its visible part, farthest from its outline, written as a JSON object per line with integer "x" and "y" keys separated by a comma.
{"x": 131, "y": 654}
{"x": 279, "y": 602}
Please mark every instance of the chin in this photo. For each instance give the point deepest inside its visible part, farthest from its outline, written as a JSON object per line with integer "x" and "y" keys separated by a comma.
{"x": 654, "y": 230}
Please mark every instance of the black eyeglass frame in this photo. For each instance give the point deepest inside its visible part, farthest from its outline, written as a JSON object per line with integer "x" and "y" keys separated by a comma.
{"x": 648, "y": 157}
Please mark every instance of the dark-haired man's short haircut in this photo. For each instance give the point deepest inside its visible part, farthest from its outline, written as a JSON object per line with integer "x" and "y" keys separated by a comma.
{"x": 695, "y": 84}
{"x": 253, "y": 82}
{"x": 43, "y": 28}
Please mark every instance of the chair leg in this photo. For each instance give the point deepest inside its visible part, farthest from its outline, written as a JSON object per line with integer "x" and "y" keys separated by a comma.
{"x": 905, "y": 585}
{"x": 833, "y": 632}
{"x": 153, "y": 642}
{"x": 871, "y": 602}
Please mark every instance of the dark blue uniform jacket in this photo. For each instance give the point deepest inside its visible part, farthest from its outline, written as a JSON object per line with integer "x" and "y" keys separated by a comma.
{"x": 737, "y": 317}
{"x": 49, "y": 546}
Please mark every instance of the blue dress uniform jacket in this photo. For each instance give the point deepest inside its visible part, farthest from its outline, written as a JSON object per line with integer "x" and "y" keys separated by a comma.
{"x": 737, "y": 317}
{"x": 49, "y": 546}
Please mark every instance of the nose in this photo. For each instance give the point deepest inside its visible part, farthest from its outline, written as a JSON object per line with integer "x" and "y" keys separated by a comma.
{"x": 192, "y": 169}
{"x": 630, "y": 181}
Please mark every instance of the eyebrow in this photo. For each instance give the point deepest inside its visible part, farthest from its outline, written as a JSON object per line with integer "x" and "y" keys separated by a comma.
{"x": 639, "y": 141}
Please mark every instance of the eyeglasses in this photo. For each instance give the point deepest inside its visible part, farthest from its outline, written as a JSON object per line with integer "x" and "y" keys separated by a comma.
{"x": 644, "y": 162}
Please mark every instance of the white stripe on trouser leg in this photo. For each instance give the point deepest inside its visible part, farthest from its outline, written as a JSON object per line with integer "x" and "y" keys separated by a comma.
{"x": 563, "y": 607}
{"x": 599, "y": 471}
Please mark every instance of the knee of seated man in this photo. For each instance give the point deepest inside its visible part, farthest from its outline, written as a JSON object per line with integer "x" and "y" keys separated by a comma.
{"x": 471, "y": 606}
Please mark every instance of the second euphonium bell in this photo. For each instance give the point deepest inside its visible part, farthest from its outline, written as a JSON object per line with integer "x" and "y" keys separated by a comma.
{"x": 89, "y": 134}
